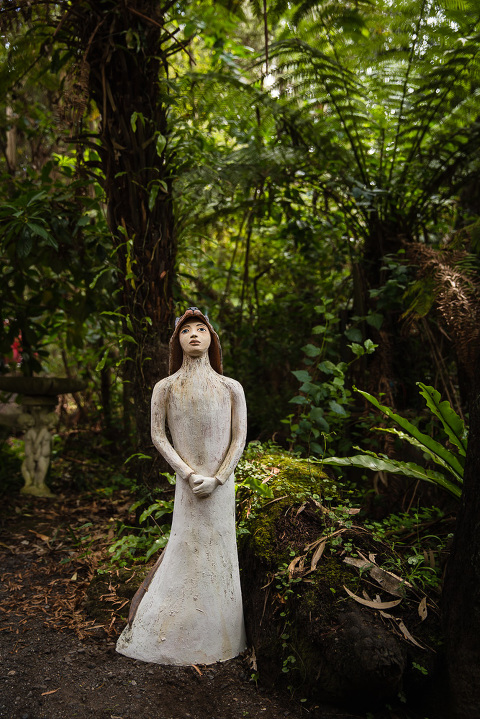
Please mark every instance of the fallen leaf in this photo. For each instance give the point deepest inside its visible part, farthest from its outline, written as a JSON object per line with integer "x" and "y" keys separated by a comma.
{"x": 43, "y": 537}
{"x": 407, "y": 634}
{"x": 356, "y": 562}
{"x": 252, "y": 660}
{"x": 52, "y": 691}
{"x": 292, "y": 565}
{"x": 369, "y": 603}
{"x": 422, "y": 609}
{"x": 317, "y": 554}
{"x": 323, "y": 539}
{"x": 387, "y": 580}
{"x": 403, "y": 629}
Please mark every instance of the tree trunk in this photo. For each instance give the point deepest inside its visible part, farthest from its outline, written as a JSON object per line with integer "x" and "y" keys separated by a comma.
{"x": 461, "y": 593}
{"x": 127, "y": 51}
{"x": 370, "y": 274}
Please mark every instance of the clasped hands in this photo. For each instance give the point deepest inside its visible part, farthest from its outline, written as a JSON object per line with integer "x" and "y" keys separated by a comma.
{"x": 202, "y": 486}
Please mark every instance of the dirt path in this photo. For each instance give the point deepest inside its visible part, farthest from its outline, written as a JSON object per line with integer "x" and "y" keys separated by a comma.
{"x": 57, "y": 662}
{"x": 48, "y": 674}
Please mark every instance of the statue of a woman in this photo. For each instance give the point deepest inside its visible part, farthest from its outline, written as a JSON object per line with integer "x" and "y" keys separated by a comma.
{"x": 190, "y": 610}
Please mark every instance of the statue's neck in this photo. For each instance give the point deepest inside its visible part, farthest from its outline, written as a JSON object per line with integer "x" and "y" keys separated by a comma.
{"x": 194, "y": 365}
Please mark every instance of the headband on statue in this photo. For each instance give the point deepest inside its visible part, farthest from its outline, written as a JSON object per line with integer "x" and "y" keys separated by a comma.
{"x": 192, "y": 310}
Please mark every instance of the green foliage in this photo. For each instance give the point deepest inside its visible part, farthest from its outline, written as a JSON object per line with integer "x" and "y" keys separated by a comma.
{"x": 420, "y": 560}
{"x": 451, "y": 461}
{"x": 254, "y": 476}
{"x": 325, "y": 400}
{"x": 289, "y": 478}
{"x": 51, "y": 258}
{"x": 399, "y": 130}
{"x": 139, "y": 545}
{"x": 12, "y": 455}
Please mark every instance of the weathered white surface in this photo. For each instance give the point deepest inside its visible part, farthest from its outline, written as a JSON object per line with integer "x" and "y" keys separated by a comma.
{"x": 192, "y": 612}
{"x": 38, "y": 446}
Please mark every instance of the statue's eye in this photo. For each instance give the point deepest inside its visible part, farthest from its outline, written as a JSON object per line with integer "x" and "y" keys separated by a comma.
{"x": 182, "y": 332}
{"x": 201, "y": 329}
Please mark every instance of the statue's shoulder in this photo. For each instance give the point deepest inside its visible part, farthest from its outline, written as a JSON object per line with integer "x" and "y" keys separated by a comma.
{"x": 163, "y": 386}
{"x": 234, "y": 386}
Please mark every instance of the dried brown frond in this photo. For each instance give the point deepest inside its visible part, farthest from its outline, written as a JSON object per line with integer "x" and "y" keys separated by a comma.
{"x": 454, "y": 289}
{"x": 75, "y": 95}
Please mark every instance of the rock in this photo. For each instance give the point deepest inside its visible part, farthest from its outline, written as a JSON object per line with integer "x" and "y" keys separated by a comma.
{"x": 363, "y": 659}
{"x": 307, "y": 633}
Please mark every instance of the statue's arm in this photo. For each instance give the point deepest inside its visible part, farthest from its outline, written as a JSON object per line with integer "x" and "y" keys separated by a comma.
{"x": 239, "y": 432}
{"x": 159, "y": 436}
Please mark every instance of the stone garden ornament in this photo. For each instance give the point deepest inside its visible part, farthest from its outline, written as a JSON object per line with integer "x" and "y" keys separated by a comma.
{"x": 189, "y": 609}
{"x": 37, "y": 397}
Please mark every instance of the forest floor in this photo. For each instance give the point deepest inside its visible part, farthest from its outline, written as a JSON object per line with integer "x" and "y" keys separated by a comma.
{"x": 57, "y": 656}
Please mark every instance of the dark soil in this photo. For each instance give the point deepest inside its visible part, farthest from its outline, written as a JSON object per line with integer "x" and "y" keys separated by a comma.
{"x": 57, "y": 646}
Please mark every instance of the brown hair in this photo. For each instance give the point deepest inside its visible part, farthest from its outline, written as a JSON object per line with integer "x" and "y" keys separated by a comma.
{"x": 176, "y": 352}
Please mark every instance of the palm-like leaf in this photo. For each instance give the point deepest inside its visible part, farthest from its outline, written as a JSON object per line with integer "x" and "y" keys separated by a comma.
{"x": 448, "y": 460}
{"x": 378, "y": 463}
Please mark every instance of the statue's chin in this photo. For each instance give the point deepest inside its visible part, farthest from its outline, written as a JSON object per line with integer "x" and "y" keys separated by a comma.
{"x": 194, "y": 352}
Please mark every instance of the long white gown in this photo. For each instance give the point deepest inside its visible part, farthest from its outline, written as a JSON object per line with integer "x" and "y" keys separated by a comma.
{"x": 192, "y": 611}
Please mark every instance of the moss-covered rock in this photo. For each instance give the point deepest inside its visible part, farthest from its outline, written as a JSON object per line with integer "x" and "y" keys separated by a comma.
{"x": 307, "y": 632}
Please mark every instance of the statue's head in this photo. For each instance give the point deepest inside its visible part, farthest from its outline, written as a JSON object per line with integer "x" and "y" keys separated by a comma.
{"x": 195, "y": 338}
{"x": 194, "y": 335}
{"x": 25, "y": 421}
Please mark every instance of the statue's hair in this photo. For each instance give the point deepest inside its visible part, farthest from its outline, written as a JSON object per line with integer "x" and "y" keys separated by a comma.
{"x": 176, "y": 352}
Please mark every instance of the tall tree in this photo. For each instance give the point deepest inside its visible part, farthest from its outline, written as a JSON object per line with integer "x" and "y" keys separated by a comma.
{"x": 123, "y": 54}
{"x": 461, "y": 593}
{"x": 119, "y": 56}
{"x": 385, "y": 107}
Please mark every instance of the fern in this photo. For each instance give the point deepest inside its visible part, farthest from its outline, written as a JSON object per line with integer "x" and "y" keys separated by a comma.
{"x": 450, "y": 461}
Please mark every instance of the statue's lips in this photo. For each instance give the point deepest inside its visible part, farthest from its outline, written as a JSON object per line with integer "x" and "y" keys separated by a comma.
{"x": 194, "y": 342}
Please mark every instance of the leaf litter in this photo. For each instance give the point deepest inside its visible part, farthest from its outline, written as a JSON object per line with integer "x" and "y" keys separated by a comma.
{"x": 61, "y": 563}
{"x": 47, "y": 636}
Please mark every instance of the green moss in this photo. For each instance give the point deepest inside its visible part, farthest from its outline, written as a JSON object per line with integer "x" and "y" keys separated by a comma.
{"x": 297, "y": 478}
{"x": 292, "y": 480}
{"x": 263, "y": 533}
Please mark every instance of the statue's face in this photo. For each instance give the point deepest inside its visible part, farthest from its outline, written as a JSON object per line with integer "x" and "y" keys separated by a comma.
{"x": 194, "y": 338}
